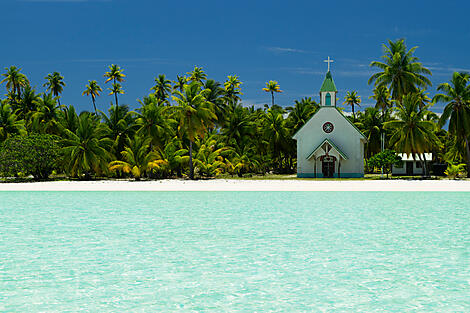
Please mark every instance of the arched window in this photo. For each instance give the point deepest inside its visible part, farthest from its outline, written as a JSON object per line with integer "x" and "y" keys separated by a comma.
{"x": 328, "y": 99}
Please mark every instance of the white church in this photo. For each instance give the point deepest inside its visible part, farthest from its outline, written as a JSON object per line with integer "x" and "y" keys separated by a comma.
{"x": 329, "y": 144}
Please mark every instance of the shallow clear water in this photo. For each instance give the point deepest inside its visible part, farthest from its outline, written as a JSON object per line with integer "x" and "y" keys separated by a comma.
{"x": 234, "y": 252}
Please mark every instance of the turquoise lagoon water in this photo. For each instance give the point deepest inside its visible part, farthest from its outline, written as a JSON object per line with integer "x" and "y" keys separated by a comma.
{"x": 234, "y": 252}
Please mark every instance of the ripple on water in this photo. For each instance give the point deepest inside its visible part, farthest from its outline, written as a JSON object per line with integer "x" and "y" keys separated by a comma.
{"x": 234, "y": 251}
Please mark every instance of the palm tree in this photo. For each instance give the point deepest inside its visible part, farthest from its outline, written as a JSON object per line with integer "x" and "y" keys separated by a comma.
{"x": 457, "y": 110}
{"x": 121, "y": 123}
{"x": 115, "y": 74}
{"x": 197, "y": 75}
{"x": 174, "y": 156}
{"x": 93, "y": 90}
{"x": 411, "y": 132}
{"x": 153, "y": 121}
{"x": 401, "y": 71}
{"x": 215, "y": 95}
{"x": 237, "y": 127}
{"x": 86, "y": 151}
{"x": 194, "y": 114}
{"x": 115, "y": 90}
{"x": 232, "y": 90}
{"x": 15, "y": 80}
{"x": 275, "y": 129}
{"x": 272, "y": 86}
{"x": 55, "y": 84}
{"x": 352, "y": 99}
{"x": 179, "y": 83}
{"x": 162, "y": 87}
{"x": 67, "y": 119}
{"x": 27, "y": 104}
{"x": 44, "y": 120}
{"x": 371, "y": 125}
{"x": 382, "y": 98}
{"x": 301, "y": 112}
{"x": 10, "y": 124}
{"x": 138, "y": 158}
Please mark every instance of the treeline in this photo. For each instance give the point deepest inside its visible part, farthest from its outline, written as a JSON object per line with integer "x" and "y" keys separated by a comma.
{"x": 195, "y": 126}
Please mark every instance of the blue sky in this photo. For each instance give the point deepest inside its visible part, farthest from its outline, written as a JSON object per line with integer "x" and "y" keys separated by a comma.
{"x": 259, "y": 41}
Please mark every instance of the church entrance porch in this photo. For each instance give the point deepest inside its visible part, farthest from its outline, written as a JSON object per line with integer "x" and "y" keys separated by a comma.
{"x": 328, "y": 166}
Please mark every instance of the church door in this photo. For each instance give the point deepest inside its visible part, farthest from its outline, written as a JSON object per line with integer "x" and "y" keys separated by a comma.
{"x": 328, "y": 167}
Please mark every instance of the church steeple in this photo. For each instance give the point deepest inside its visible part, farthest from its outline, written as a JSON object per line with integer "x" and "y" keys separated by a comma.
{"x": 328, "y": 89}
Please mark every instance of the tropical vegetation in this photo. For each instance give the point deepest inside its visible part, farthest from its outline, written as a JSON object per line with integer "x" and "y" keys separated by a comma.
{"x": 198, "y": 127}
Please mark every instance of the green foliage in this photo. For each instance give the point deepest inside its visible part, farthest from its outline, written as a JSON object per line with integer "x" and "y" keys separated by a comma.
{"x": 197, "y": 126}
{"x": 385, "y": 159}
{"x": 455, "y": 171}
{"x": 34, "y": 154}
{"x": 401, "y": 71}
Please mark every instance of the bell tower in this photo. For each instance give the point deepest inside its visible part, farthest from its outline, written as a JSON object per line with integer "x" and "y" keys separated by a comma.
{"x": 328, "y": 89}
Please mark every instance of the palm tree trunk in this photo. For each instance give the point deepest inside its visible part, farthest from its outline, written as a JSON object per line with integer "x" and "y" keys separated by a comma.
{"x": 117, "y": 105}
{"x": 94, "y": 105}
{"x": 191, "y": 168}
{"x": 423, "y": 170}
{"x": 272, "y": 97}
{"x": 467, "y": 148}
{"x": 354, "y": 116}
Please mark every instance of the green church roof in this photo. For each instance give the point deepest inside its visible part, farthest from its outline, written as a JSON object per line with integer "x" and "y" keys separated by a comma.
{"x": 328, "y": 83}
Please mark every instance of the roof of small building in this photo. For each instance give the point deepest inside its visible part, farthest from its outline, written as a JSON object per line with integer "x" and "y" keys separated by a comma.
{"x": 328, "y": 84}
{"x": 409, "y": 157}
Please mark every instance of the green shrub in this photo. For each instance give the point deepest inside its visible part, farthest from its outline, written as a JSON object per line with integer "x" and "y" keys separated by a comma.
{"x": 34, "y": 154}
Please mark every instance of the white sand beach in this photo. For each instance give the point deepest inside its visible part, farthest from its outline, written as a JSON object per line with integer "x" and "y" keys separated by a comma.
{"x": 242, "y": 185}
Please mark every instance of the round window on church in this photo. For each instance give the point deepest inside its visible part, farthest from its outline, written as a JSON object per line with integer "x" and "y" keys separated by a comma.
{"x": 328, "y": 127}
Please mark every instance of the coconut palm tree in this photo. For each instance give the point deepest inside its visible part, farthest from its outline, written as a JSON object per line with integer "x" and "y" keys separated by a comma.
{"x": 215, "y": 95}
{"x": 115, "y": 90}
{"x": 93, "y": 90}
{"x": 301, "y": 112}
{"x": 10, "y": 124}
{"x": 401, "y": 72}
{"x": 237, "y": 127}
{"x": 411, "y": 132}
{"x": 194, "y": 115}
{"x": 137, "y": 158}
{"x": 371, "y": 125}
{"x": 114, "y": 74}
{"x": 382, "y": 98}
{"x": 86, "y": 151}
{"x": 232, "y": 90}
{"x": 272, "y": 86}
{"x": 55, "y": 84}
{"x": 27, "y": 104}
{"x": 456, "y": 95}
{"x": 162, "y": 87}
{"x": 275, "y": 129}
{"x": 121, "y": 123}
{"x": 67, "y": 119}
{"x": 15, "y": 80}
{"x": 352, "y": 99}
{"x": 179, "y": 83}
{"x": 153, "y": 121}
{"x": 44, "y": 120}
{"x": 197, "y": 75}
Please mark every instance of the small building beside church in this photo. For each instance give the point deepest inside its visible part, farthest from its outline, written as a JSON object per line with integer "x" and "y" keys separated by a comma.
{"x": 411, "y": 166}
{"x": 329, "y": 144}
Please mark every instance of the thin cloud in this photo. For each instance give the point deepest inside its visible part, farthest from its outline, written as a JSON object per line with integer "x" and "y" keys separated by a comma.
{"x": 124, "y": 60}
{"x": 281, "y": 50}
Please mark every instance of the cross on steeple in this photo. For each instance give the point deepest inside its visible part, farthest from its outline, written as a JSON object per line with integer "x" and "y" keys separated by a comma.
{"x": 328, "y": 61}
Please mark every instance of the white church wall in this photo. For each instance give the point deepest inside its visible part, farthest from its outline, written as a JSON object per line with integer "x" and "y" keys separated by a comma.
{"x": 344, "y": 136}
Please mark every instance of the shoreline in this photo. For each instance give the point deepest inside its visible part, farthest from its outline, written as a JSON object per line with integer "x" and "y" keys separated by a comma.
{"x": 243, "y": 185}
